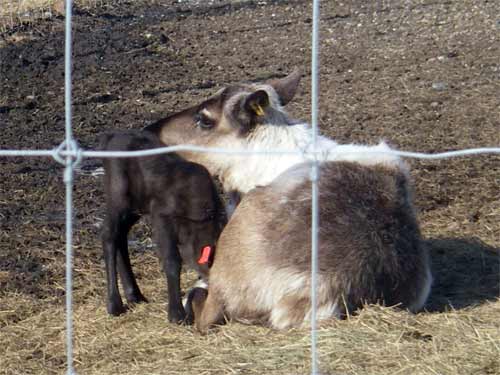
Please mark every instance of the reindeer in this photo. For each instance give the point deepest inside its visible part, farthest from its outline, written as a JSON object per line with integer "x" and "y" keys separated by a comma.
{"x": 184, "y": 206}
{"x": 370, "y": 249}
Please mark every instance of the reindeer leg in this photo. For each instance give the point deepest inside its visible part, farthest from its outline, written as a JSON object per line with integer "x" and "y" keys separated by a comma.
{"x": 131, "y": 289}
{"x": 171, "y": 263}
{"x": 109, "y": 244}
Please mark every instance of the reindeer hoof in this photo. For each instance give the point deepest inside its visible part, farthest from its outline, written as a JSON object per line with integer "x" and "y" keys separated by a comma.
{"x": 176, "y": 316}
{"x": 136, "y": 298}
{"x": 202, "y": 330}
{"x": 189, "y": 320}
{"x": 116, "y": 309}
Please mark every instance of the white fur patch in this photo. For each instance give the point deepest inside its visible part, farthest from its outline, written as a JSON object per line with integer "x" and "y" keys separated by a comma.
{"x": 207, "y": 113}
{"x": 245, "y": 173}
{"x": 200, "y": 283}
{"x": 278, "y": 284}
{"x": 282, "y": 286}
{"x": 325, "y": 311}
{"x": 280, "y": 318}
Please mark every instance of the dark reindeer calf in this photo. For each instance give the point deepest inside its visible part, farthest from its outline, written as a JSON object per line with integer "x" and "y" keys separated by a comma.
{"x": 185, "y": 212}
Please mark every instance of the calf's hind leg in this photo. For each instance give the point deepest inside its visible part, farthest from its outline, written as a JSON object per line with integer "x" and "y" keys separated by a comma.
{"x": 110, "y": 244}
{"x": 131, "y": 289}
{"x": 114, "y": 240}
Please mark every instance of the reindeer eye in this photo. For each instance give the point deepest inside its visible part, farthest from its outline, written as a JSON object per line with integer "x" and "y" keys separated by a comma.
{"x": 204, "y": 122}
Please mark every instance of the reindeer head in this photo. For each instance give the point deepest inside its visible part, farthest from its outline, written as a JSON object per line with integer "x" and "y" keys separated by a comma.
{"x": 235, "y": 117}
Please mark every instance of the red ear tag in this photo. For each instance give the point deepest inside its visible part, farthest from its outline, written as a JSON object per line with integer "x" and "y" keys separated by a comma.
{"x": 205, "y": 255}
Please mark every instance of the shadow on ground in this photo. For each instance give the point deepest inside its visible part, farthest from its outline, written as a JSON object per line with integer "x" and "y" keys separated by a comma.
{"x": 466, "y": 273}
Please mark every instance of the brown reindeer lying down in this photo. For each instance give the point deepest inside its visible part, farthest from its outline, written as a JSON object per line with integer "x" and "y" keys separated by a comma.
{"x": 370, "y": 248}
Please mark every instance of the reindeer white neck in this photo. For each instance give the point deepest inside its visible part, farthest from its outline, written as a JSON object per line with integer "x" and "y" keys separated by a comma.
{"x": 245, "y": 173}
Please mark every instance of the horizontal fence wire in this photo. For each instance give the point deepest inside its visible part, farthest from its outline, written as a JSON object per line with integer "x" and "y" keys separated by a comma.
{"x": 81, "y": 153}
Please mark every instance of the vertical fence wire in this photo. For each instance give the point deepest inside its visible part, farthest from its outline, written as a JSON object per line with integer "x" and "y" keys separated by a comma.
{"x": 68, "y": 180}
{"x": 314, "y": 183}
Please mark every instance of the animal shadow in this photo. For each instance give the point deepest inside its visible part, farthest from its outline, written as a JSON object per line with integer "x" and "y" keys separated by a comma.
{"x": 466, "y": 272}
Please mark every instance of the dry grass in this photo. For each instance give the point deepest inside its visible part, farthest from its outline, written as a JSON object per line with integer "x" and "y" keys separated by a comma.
{"x": 15, "y": 12}
{"x": 18, "y": 12}
{"x": 378, "y": 341}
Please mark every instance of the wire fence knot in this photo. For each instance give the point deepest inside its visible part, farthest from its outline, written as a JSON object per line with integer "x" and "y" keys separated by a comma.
{"x": 68, "y": 153}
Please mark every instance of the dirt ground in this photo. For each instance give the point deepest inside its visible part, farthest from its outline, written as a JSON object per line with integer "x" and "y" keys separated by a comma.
{"x": 424, "y": 75}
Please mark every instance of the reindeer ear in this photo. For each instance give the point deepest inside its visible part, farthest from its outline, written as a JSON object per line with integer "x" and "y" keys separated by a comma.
{"x": 256, "y": 103}
{"x": 287, "y": 87}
